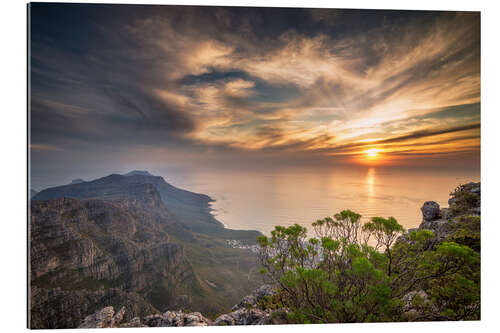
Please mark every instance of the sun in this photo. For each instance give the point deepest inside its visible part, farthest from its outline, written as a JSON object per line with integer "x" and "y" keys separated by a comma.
{"x": 373, "y": 152}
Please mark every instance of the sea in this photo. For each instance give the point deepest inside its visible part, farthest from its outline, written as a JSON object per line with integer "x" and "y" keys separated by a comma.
{"x": 263, "y": 199}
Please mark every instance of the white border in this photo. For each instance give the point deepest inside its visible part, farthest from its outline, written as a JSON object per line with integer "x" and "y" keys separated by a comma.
{"x": 13, "y": 175}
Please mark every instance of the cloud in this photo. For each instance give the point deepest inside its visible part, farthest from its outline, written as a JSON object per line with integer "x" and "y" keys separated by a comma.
{"x": 199, "y": 79}
{"x": 427, "y": 133}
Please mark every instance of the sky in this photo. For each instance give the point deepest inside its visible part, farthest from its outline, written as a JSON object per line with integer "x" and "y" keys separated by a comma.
{"x": 121, "y": 87}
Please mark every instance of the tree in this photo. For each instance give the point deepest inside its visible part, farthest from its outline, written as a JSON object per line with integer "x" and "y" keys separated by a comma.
{"x": 340, "y": 276}
{"x": 463, "y": 201}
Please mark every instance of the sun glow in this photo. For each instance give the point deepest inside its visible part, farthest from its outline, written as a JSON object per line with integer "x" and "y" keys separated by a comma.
{"x": 372, "y": 152}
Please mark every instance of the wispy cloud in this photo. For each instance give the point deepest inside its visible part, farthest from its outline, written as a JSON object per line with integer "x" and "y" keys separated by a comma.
{"x": 248, "y": 79}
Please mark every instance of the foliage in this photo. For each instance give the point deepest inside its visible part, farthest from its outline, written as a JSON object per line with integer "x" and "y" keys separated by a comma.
{"x": 463, "y": 201}
{"x": 354, "y": 272}
{"x": 466, "y": 231}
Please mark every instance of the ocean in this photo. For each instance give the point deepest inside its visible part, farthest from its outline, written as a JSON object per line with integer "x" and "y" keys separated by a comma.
{"x": 260, "y": 200}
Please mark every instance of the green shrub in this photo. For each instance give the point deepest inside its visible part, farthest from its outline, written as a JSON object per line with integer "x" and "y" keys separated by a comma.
{"x": 339, "y": 276}
{"x": 463, "y": 202}
{"x": 466, "y": 231}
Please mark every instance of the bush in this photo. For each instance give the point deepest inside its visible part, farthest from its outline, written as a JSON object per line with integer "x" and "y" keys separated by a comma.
{"x": 466, "y": 231}
{"x": 463, "y": 201}
{"x": 339, "y": 276}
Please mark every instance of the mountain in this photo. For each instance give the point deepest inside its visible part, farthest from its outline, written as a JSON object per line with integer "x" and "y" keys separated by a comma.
{"x": 188, "y": 208}
{"x": 135, "y": 241}
{"x": 77, "y": 181}
{"x": 33, "y": 193}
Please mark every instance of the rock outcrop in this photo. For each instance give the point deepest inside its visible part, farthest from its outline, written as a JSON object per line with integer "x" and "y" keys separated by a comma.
{"x": 443, "y": 221}
{"x": 105, "y": 318}
{"x": 177, "y": 318}
{"x": 430, "y": 210}
{"x": 252, "y": 300}
{"x": 245, "y": 317}
{"x": 245, "y": 312}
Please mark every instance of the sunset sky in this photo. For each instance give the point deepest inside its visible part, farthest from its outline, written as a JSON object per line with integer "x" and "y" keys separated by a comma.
{"x": 118, "y": 87}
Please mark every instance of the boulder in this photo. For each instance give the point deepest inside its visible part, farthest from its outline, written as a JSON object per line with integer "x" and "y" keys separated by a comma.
{"x": 225, "y": 320}
{"x": 105, "y": 318}
{"x": 247, "y": 313}
{"x": 430, "y": 210}
{"x": 196, "y": 319}
{"x": 255, "y": 297}
{"x": 244, "y": 317}
{"x": 177, "y": 318}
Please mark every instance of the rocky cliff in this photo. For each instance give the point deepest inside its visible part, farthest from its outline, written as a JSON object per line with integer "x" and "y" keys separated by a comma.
{"x": 114, "y": 241}
{"x": 83, "y": 251}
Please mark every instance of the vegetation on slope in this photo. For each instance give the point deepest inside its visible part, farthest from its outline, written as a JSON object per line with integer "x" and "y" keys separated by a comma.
{"x": 374, "y": 272}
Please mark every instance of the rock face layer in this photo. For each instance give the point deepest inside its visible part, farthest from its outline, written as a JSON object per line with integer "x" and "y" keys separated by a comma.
{"x": 81, "y": 248}
{"x": 115, "y": 242}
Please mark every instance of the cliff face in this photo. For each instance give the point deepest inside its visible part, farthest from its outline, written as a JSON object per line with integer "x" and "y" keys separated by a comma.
{"x": 80, "y": 247}
{"x": 82, "y": 234}
{"x": 119, "y": 241}
{"x": 57, "y": 307}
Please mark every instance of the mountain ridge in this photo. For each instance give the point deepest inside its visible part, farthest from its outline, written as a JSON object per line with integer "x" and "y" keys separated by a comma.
{"x": 130, "y": 233}
{"x": 188, "y": 204}
{"x": 138, "y": 173}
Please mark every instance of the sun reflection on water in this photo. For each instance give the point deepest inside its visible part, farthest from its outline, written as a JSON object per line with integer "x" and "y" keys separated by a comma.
{"x": 370, "y": 182}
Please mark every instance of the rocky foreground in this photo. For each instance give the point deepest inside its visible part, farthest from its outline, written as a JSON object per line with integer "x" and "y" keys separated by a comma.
{"x": 443, "y": 222}
{"x": 244, "y": 313}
